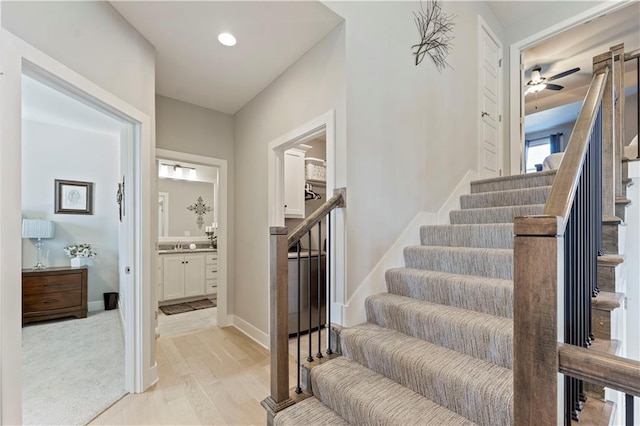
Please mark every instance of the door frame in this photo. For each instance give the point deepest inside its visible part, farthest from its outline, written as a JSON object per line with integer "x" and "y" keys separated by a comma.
{"x": 18, "y": 58}
{"x": 324, "y": 123}
{"x": 484, "y": 27}
{"x": 221, "y": 212}
{"x": 516, "y": 93}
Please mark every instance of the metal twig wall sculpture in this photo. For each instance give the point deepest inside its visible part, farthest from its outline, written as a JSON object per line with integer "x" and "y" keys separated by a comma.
{"x": 434, "y": 27}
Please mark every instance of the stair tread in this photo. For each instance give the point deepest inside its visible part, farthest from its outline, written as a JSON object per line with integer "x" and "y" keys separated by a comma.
{"x": 607, "y": 301}
{"x": 611, "y": 220}
{"x": 504, "y": 214}
{"x": 477, "y": 334}
{"x": 524, "y": 176}
{"x": 508, "y": 197}
{"x": 604, "y": 345}
{"x": 611, "y": 260}
{"x": 485, "y": 262}
{"x": 595, "y": 412}
{"x": 362, "y": 396}
{"x": 437, "y": 373}
{"x": 310, "y": 411}
{"x": 479, "y": 235}
{"x": 493, "y": 296}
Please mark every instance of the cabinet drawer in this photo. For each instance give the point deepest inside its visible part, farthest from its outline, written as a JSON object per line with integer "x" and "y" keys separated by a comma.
{"x": 212, "y": 286}
{"x": 51, "y": 284}
{"x": 211, "y": 272}
{"x": 211, "y": 258}
{"x": 45, "y": 302}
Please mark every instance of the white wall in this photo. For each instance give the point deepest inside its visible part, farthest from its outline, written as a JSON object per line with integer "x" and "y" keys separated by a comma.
{"x": 189, "y": 128}
{"x": 411, "y": 132}
{"x": 96, "y": 42}
{"x": 309, "y": 88}
{"x": 408, "y": 138}
{"x": 55, "y": 152}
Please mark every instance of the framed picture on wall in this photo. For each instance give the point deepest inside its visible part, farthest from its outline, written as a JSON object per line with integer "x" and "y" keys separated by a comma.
{"x": 73, "y": 197}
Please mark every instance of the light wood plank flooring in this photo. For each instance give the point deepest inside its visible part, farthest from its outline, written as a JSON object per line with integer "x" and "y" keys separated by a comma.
{"x": 216, "y": 376}
{"x": 212, "y": 376}
{"x": 170, "y": 325}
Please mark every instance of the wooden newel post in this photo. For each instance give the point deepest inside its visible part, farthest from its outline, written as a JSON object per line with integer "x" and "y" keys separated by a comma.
{"x": 535, "y": 332}
{"x": 279, "y": 327}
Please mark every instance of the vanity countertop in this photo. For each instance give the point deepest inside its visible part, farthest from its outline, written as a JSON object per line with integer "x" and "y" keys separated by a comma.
{"x": 187, "y": 250}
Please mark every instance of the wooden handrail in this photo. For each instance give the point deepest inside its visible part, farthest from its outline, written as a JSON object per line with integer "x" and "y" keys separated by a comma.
{"x": 566, "y": 182}
{"x": 339, "y": 199}
{"x": 280, "y": 242}
{"x": 600, "y": 368}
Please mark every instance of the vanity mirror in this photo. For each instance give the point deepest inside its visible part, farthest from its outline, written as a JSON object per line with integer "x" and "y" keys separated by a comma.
{"x": 187, "y": 200}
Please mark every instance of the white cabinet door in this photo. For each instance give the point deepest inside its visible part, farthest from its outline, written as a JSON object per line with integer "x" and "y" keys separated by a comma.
{"x": 194, "y": 281}
{"x": 173, "y": 277}
{"x": 294, "y": 183}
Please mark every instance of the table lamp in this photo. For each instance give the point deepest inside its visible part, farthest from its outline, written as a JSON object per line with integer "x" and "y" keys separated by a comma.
{"x": 38, "y": 228}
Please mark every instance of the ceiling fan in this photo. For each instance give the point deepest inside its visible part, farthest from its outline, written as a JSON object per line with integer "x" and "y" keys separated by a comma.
{"x": 539, "y": 83}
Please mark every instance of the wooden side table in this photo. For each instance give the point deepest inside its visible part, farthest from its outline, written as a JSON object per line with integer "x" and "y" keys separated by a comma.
{"x": 54, "y": 293}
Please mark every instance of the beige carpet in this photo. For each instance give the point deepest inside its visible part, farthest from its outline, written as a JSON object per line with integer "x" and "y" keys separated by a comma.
{"x": 72, "y": 369}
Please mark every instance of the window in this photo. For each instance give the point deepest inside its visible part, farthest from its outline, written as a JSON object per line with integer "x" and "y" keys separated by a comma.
{"x": 537, "y": 151}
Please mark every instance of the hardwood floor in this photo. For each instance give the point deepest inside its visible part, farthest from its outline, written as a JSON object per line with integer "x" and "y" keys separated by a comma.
{"x": 170, "y": 325}
{"x": 215, "y": 376}
{"x": 211, "y": 376}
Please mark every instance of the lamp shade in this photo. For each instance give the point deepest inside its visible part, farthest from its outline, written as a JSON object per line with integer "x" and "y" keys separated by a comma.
{"x": 37, "y": 228}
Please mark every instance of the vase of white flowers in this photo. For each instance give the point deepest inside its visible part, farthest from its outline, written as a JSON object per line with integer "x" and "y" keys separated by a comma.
{"x": 78, "y": 253}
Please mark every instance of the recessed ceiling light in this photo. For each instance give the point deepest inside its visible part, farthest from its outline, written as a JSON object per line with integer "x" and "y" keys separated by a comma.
{"x": 227, "y": 39}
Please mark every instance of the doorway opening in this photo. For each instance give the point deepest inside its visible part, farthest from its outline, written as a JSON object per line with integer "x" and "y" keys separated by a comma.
{"x": 192, "y": 243}
{"x": 70, "y": 169}
{"x": 133, "y": 252}
{"x": 307, "y": 139}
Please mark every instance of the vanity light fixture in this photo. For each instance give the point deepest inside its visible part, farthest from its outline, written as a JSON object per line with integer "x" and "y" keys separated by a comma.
{"x": 227, "y": 39}
{"x": 177, "y": 171}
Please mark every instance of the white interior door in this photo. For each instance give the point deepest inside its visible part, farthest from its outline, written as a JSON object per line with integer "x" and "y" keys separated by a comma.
{"x": 490, "y": 118}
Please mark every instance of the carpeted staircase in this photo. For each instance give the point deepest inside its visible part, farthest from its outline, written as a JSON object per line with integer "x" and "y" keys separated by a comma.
{"x": 437, "y": 348}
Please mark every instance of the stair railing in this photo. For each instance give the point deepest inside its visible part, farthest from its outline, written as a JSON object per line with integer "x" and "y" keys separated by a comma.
{"x": 555, "y": 261}
{"x": 282, "y": 396}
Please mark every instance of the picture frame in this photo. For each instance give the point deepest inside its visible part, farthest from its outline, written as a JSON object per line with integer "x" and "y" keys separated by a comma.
{"x": 73, "y": 197}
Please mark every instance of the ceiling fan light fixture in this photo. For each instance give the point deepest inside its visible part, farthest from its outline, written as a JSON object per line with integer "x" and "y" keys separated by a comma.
{"x": 535, "y": 76}
{"x": 227, "y": 39}
{"x": 536, "y": 88}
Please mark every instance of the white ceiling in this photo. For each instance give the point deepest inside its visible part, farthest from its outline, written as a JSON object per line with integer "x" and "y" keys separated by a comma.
{"x": 43, "y": 104}
{"x": 576, "y": 48}
{"x": 192, "y": 66}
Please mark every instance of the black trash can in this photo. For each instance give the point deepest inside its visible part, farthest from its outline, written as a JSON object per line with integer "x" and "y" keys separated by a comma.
{"x": 110, "y": 301}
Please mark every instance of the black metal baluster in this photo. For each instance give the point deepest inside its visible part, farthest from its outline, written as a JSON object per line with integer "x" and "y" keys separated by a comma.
{"x": 298, "y": 388}
{"x": 310, "y": 357}
{"x": 628, "y": 409}
{"x": 328, "y": 278}
{"x": 319, "y": 290}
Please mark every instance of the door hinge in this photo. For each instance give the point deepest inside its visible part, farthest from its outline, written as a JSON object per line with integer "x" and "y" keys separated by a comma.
{"x": 500, "y": 118}
{"x": 521, "y": 66}
{"x": 500, "y": 63}
{"x": 500, "y": 172}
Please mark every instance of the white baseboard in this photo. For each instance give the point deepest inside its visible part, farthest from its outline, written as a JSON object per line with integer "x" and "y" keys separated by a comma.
{"x": 249, "y": 330}
{"x": 354, "y": 311}
{"x": 95, "y": 306}
{"x": 453, "y": 202}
